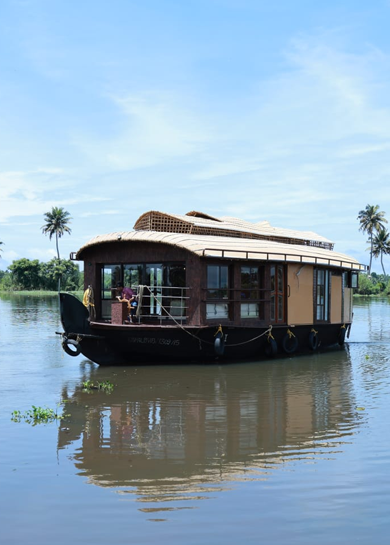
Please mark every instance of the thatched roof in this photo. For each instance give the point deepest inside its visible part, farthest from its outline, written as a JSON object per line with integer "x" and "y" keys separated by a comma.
{"x": 232, "y": 248}
{"x": 197, "y": 223}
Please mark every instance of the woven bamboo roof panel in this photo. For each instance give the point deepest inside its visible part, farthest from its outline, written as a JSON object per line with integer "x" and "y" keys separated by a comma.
{"x": 197, "y": 223}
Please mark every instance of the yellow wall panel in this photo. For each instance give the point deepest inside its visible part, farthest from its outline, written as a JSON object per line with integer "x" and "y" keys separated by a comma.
{"x": 300, "y": 291}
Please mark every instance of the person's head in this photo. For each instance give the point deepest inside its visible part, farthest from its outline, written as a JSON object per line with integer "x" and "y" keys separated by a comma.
{"x": 119, "y": 285}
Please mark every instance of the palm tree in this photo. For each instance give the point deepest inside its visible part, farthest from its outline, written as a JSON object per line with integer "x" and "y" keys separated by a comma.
{"x": 56, "y": 224}
{"x": 1, "y": 243}
{"x": 381, "y": 245}
{"x": 371, "y": 220}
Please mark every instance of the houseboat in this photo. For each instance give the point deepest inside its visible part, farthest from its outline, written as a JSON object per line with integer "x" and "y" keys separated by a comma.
{"x": 208, "y": 288}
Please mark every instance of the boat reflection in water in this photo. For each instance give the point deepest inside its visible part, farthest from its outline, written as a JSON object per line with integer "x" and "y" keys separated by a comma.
{"x": 174, "y": 433}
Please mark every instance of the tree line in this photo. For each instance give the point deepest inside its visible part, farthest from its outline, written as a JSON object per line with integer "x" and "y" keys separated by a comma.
{"x": 26, "y": 274}
{"x": 372, "y": 221}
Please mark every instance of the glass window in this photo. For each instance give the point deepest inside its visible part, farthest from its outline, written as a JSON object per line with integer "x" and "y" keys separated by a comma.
{"x": 251, "y": 284}
{"x": 217, "y": 288}
{"x": 277, "y": 294}
{"x": 217, "y": 281}
{"x": 132, "y": 275}
{"x": 111, "y": 275}
{"x": 322, "y": 295}
{"x": 164, "y": 280}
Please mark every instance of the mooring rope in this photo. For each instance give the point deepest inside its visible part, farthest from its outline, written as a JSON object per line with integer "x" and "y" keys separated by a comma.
{"x": 219, "y": 330}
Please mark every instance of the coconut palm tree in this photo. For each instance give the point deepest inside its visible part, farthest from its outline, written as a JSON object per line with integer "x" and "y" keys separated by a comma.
{"x": 381, "y": 245}
{"x": 371, "y": 220}
{"x": 56, "y": 224}
{"x": 1, "y": 243}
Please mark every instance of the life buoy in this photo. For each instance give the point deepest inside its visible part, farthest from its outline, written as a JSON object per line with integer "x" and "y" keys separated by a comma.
{"x": 271, "y": 347}
{"x": 289, "y": 343}
{"x": 313, "y": 340}
{"x": 341, "y": 336}
{"x": 219, "y": 344}
{"x": 68, "y": 343}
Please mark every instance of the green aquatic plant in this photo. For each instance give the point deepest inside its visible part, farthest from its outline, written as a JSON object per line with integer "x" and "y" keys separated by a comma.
{"x": 88, "y": 385}
{"x": 105, "y": 386}
{"x": 38, "y": 415}
{"x": 16, "y": 416}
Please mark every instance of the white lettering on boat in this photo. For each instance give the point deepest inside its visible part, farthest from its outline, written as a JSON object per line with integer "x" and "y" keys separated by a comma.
{"x": 153, "y": 340}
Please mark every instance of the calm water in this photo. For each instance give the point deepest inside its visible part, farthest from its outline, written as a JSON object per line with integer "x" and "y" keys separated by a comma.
{"x": 295, "y": 451}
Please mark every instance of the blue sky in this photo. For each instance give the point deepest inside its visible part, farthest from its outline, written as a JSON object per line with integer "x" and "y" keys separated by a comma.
{"x": 275, "y": 111}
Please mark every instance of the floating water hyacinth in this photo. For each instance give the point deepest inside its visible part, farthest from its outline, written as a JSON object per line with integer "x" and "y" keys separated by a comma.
{"x": 37, "y": 415}
{"x": 105, "y": 386}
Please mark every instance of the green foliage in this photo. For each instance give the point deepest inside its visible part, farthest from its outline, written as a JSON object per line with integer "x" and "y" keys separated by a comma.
{"x": 105, "y": 386}
{"x": 373, "y": 284}
{"x": 37, "y": 415}
{"x": 372, "y": 221}
{"x": 5, "y": 280}
{"x": 56, "y": 224}
{"x": 24, "y": 274}
{"x": 381, "y": 245}
{"x": 64, "y": 269}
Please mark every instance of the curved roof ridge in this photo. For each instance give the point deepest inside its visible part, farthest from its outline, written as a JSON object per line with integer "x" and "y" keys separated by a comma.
{"x": 230, "y": 248}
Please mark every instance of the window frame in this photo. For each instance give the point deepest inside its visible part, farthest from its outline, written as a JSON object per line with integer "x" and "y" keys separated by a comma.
{"x": 323, "y": 306}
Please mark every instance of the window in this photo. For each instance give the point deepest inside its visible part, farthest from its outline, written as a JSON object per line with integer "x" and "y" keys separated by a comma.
{"x": 110, "y": 276}
{"x": 217, "y": 289}
{"x": 132, "y": 275}
{"x": 252, "y": 283}
{"x": 351, "y": 279}
{"x": 277, "y": 295}
{"x": 160, "y": 279}
{"x": 321, "y": 298}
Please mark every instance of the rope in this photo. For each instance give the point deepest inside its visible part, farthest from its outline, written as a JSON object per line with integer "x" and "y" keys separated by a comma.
{"x": 219, "y": 330}
{"x": 88, "y": 301}
{"x": 254, "y": 338}
{"x": 140, "y": 295}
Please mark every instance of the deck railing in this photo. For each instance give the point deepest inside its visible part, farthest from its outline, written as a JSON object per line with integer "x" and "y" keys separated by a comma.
{"x": 162, "y": 303}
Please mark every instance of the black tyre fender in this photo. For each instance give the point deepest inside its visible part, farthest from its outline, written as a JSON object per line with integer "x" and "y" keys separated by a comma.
{"x": 341, "y": 336}
{"x": 68, "y": 343}
{"x": 219, "y": 345}
{"x": 289, "y": 343}
{"x": 271, "y": 347}
{"x": 313, "y": 340}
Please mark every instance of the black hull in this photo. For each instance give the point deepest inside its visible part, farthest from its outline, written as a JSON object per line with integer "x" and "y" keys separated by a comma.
{"x": 108, "y": 344}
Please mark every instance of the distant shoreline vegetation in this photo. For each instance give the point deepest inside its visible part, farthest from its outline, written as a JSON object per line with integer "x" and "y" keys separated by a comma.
{"x": 34, "y": 276}
{"x": 373, "y": 284}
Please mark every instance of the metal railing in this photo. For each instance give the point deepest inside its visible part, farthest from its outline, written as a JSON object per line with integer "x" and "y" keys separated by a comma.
{"x": 161, "y": 303}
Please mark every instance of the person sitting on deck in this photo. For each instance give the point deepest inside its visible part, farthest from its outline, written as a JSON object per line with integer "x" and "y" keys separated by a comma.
{"x": 128, "y": 296}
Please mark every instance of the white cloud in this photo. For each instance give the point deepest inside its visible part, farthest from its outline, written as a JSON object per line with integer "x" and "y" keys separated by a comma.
{"x": 31, "y": 193}
{"x": 154, "y": 131}
{"x": 39, "y": 253}
{"x": 100, "y": 213}
{"x": 8, "y": 256}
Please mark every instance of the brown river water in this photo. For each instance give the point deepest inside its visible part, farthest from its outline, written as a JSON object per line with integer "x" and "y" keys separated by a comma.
{"x": 292, "y": 451}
